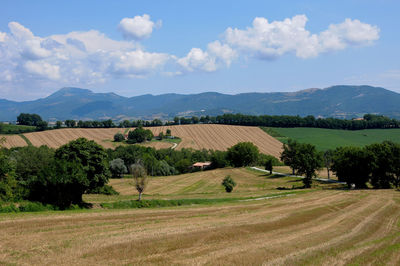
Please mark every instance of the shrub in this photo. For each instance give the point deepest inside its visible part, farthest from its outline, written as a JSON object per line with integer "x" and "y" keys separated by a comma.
{"x": 119, "y": 137}
{"x": 228, "y": 183}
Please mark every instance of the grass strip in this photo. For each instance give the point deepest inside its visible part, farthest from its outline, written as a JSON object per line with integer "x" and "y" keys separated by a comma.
{"x": 26, "y": 139}
{"x": 157, "y": 203}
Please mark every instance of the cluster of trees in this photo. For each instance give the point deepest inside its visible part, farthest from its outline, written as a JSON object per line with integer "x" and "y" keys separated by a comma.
{"x": 32, "y": 120}
{"x": 377, "y": 164}
{"x": 87, "y": 124}
{"x": 59, "y": 177}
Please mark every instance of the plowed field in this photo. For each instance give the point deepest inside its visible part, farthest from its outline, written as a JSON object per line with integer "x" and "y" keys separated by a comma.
{"x": 56, "y": 138}
{"x": 13, "y": 141}
{"x": 221, "y": 137}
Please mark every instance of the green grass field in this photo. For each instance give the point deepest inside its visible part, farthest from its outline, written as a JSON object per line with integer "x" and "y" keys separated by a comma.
{"x": 15, "y": 129}
{"x": 325, "y": 139}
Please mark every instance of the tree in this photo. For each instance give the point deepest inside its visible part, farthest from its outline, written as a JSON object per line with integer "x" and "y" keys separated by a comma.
{"x": 183, "y": 165}
{"x": 289, "y": 155}
{"x": 328, "y": 157}
{"x": 243, "y": 154}
{"x": 93, "y": 159}
{"x": 350, "y": 164}
{"x": 41, "y": 125}
{"x": 308, "y": 160}
{"x": 228, "y": 183}
{"x": 380, "y": 164}
{"x": 28, "y": 119}
{"x": 269, "y": 166}
{"x": 58, "y": 124}
{"x": 8, "y": 184}
{"x": 218, "y": 159}
{"x": 168, "y": 132}
{"x": 139, "y": 135}
{"x": 394, "y": 159}
{"x": 69, "y": 123}
{"x": 118, "y": 168}
{"x": 119, "y": 137}
{"x": 139, "y": 175}
{"x": 161, "y": 135}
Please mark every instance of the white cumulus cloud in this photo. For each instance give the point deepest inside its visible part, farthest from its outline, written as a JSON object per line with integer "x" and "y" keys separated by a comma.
{"x": 138, "y": 27}
{"x": 269, "y": 40}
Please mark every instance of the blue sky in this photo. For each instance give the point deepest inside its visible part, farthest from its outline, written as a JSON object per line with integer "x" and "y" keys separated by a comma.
{"x": 138, "y": 47}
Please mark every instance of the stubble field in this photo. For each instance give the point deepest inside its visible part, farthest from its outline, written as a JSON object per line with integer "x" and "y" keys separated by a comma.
{"x": 323, "y": 227}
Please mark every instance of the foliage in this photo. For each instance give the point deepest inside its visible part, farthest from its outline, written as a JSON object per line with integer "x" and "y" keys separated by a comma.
{"x": 183, "y": 165}
{"x": 41, "y": 125}
{"x": 328, "y": 160}
{"x": 15, "y": 129}
{"x": 219, "y": 159}
{"x": 268, "y": 166}
{"x": 118, "y": 168}
{"x": 381, "y": 163}
{"x": 307, "y": 161}
{"x": 119, "y": 137}
{"x": 290, "y": 154}
{"x": 139, "y": 175}
{"x": 139, "y": 135}
{"x": 228, "y": 183}
{"x": 243, "y": 154}
{"x": 350, "y": 164}
{"x": 8, "y": 183}
{"x": 29, "y": 119}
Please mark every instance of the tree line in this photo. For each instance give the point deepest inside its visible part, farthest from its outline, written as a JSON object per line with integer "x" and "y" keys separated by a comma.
{"x": 377, "y": 164}
{"x": 369, "y": 121}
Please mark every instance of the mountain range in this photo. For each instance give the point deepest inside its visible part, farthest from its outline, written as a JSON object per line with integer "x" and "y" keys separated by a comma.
{"x": 82, "y": 104}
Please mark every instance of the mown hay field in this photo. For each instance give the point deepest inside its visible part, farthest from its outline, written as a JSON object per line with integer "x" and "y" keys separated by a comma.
{"x": 13, "y": 141}
{"x": 321, "y": 227}
{"x": 221, "y": 137}
{"x": 215, "y": 137}
{"x": 57, "y": 137}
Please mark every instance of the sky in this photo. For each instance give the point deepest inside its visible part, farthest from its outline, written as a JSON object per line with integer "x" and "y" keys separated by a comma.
{"x": 155, "y": 47}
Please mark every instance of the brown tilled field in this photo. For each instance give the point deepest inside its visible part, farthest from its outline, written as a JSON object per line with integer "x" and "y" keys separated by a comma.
{"x": 221, "y": 137}
{"x": 323, "y": 227}
{"x": 13, "y": 141}
{"x": 215, "y": 137}
{"x": 57, "y": 137}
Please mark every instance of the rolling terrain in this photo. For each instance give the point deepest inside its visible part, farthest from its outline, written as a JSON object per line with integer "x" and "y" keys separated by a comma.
{"x": 81, "y": 104}
{"x": 314, "y": 226}
{"x": 215, "y": 137}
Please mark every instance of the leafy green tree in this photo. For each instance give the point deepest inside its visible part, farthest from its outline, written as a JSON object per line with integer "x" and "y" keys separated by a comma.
{"x": 289, "y": 155}
{"x": 394, "y": 159}
{"x": 41, "y": 125}
{"x": 28, "y": 119}
{"x": 139, "y": 135}
{"x": 119, "y": 137}
{"x": 228, "y": 183}
{"x": 218, "y": 159}
{"x": 8, "y": 183}
{"x": 308, "y": 160}
{"x": 70, "y": 123}
{"x": 117, "y": 168}
{"x": 93, "y": 159}
{"x": 243, "y": 154}
{"x": 161, "y": 136}
{"x": 183, "y": 166}
{"x": 379, "y": 155}
{"x": 350, "y": 164}
{"x": 139, "y": 175}
{"x": 168, "y": 132}
{"x": 58, "y": 124}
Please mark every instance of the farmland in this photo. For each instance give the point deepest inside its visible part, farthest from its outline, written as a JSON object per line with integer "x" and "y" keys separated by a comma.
{"x": 216, "y": 137}
{"x": 323, "y": 225}
{"x": 325, "y": 139}
{"x": 221, "y": 137}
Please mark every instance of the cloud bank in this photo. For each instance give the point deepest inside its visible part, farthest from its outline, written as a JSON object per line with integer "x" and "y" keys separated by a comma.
{"x": 82, "y": 58}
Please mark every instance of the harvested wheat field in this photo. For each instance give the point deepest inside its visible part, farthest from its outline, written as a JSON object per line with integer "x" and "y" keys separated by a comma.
{"x": 13, "y": 141}
{"x": 221, "y": 137}
{"x": 322, "y": 227}
{"x": 57, "y": 137}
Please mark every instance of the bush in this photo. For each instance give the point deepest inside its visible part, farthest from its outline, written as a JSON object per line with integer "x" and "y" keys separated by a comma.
{"x": 119, "y": 137}
{"x": 243, "y": 154}
{"x": 228, "y": 183}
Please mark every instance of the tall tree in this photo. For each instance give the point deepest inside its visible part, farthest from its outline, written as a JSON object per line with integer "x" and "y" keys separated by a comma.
{"x": 243, "y": 154}
{"x": 289, "y": 155}
{"x": 308, "y": 161}
{"x": 328, "y": 157}
{"x": 139, "y": 175}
